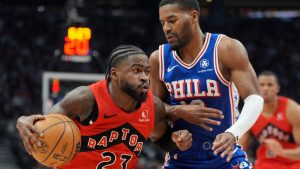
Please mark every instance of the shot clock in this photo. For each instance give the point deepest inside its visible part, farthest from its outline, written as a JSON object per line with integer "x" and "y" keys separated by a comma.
{"x": 77, "y": 44}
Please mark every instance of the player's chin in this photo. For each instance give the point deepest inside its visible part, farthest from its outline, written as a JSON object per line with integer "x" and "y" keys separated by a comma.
{"x": 174, "y": 45}
{"x": 142, "y": 96}
{"x": 144, "y": 93}
{"x": 172, "y": 41}
{"x": 265, "y": 96}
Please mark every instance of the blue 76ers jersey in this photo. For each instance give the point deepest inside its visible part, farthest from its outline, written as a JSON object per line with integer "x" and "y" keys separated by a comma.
{"x": 199, "y": 82}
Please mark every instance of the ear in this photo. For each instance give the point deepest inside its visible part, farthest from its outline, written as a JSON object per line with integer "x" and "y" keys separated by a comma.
{"x": 195, "y": 15}
{"x": 113, "y": 73}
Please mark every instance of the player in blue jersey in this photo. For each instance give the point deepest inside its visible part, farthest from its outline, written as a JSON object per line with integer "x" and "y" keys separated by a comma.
{"x": 196, "y": 74}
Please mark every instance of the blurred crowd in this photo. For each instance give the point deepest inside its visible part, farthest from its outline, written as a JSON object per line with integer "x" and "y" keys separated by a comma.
{"x": 30, "y": 35}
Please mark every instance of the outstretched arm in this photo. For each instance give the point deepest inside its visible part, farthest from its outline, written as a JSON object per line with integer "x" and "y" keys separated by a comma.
{"x": 244, "y": 77}
{"x": 235, "y": 67}
{"x": 162, "y": 134}
{"x": 79, "y": 102}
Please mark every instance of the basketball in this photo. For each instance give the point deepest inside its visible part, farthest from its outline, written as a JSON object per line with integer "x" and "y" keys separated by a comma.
{"x": 61, "y": 140}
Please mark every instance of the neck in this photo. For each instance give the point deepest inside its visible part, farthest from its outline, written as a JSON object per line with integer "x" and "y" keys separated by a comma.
{"x": 190, "y": 51}
{"x": 270, "y": 107}
{"x": 121, "y": 99}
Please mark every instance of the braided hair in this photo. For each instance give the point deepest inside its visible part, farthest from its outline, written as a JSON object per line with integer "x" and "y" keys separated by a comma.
{"x": 118, "y": 55}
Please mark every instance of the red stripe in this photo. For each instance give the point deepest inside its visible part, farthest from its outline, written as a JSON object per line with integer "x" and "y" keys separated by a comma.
{"x": 222, "y": 79}
{"x": 231, "y": 104}
{"x": 167, "y": 158}
{"x": 161, "y": 66}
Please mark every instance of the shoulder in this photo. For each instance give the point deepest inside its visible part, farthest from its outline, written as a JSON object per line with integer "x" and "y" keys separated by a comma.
{"x": 232, "y": 51}
{"x": 228, "y": 45}
{"x": 154, "y": 57}
{"x": 154, "y": 62}
{"x": 163, "y": 49}
{"x": 82, "y": 92}
{"x": 80, "y": 100}
{"x": 293, "y": 112}
{"x": 292, "y": 104}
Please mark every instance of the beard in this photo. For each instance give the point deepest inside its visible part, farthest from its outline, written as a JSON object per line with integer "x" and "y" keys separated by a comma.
{"x": 184, "y": 39}
{"x": 181, "y": 42}
{"x": 130, "y": 90}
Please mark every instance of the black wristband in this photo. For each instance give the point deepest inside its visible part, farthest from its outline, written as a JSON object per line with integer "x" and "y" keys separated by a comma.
{"x": 165, "y": 142}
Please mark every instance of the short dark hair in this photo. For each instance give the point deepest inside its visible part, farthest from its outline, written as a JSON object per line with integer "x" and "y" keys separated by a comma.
{"x": 119, "y": 54}
{"x": 269, "y": 73}
{"x": 184, "y": 4}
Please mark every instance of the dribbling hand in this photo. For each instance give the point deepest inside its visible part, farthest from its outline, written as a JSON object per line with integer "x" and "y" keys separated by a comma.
{"x": 28, "y": 132}
{"x": 224, "y": 145}
{"x": 183, "y": 139}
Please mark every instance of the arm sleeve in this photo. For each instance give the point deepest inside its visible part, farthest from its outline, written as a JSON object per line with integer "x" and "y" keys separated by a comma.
{"x": 252, "y": 108}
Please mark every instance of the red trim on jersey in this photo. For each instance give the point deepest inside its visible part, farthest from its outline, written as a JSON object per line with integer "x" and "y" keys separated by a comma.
{"x": 167, "y": 158}
{"x": 161, "y": 63}
{"x": 202, "y": 51}
{"x": 216, "y": 60}
{"x": 231, "y": 103}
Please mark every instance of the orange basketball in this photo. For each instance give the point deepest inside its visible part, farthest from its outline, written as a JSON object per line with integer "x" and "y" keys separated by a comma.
{"x": 60, "y": 143}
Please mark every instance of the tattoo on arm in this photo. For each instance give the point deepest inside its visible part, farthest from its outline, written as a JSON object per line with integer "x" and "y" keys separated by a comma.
{"x": 78, "y": 102}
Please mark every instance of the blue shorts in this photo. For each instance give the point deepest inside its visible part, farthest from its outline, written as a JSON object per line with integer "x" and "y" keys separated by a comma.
{"x": 200, "y": 156}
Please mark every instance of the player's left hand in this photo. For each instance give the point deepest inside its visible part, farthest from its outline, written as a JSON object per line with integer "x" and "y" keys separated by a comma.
{"x": 224, "y": 144}
{"x": 183, "y": 139}
{"x": 274, "y": 146}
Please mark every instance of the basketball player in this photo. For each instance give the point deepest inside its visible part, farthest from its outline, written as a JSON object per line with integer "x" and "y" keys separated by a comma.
{"x": 116, "y": 115}
{"x": 194, "y": 71}
{"x": 277, "y": 129}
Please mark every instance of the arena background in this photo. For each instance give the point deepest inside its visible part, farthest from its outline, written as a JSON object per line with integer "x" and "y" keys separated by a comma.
{"x": 33, "y": 36}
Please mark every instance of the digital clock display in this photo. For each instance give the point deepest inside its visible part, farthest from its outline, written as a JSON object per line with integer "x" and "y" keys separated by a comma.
{"x": 77, "y": 41}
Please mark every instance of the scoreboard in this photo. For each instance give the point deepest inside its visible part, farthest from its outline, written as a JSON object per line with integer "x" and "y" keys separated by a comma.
{"x": 77, "y": 45}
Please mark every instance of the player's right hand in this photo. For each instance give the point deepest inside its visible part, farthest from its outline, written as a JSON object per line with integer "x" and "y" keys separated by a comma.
{"x": 199, "y": 115}
{"x": 28, "y": 132}
{"x": 183, "y": 139}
